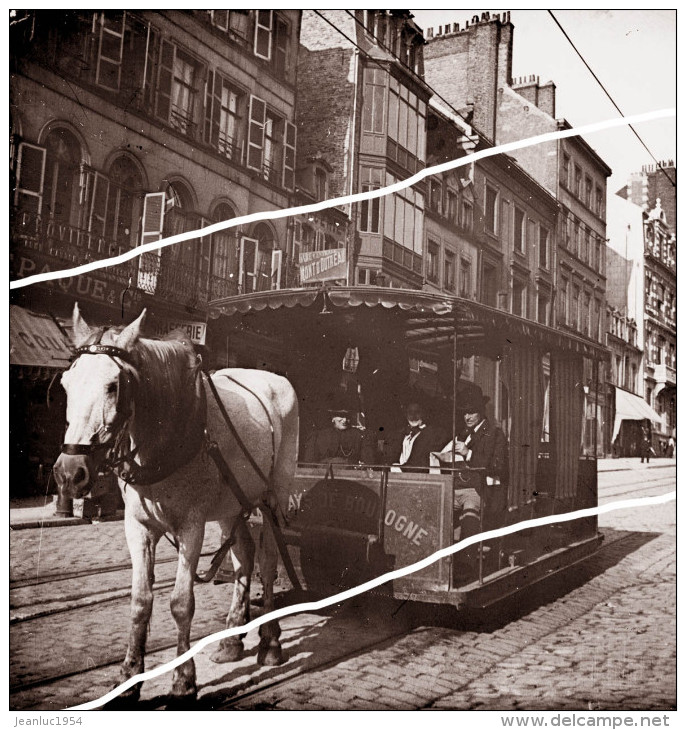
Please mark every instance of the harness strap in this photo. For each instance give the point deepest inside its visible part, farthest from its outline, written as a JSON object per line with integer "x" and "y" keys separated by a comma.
{"x": 235, "y": 434}
{"x": 267, "y": 513}
{"x": 218, "y": 557}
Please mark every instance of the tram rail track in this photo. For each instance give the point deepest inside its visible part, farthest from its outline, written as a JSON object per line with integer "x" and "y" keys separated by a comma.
{"x": 161, "y": 646}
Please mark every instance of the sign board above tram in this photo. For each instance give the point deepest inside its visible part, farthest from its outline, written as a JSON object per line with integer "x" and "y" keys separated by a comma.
{"x": 324, "y": 265}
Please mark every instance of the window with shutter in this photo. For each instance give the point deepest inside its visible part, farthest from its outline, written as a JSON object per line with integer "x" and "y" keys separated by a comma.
{"x": 289, "y": 156}
{"x": 98, "y": 205}
{"x": 153, "y": 217}
{"x": 281, "y": 41}
{"x": 263, "y": 34}
{"x": 110, "y": 50}
{"x": 153, "y": 224}
{"x": 247, "y": 265}
{"x": 277, "y": 258}
{"x": 28, "y": 195}
{"x": 165, "y": 75}
{"x": 210, "y": 114}
{"x": 258, "y": 116}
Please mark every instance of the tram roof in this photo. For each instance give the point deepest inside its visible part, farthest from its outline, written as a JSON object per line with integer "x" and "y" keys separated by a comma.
{"x": 430, "y": 320}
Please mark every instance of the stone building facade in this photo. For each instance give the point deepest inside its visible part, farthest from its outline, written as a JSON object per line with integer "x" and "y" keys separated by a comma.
{"x": 362, "y": 106}
{"x": 642, "y": 295}
{"x": 130, "y": 126}
{"x": 504, "y": 109}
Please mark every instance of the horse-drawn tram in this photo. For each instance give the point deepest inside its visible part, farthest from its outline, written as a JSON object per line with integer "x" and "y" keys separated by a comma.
{"x": 424, "y": 419}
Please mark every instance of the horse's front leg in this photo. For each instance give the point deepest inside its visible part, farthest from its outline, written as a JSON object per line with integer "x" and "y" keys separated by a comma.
{"x": 142, "y": 543}
{"x": 183, "y": 606}
{"x": 269, "y": 651}
{"x": 243, "y": 557}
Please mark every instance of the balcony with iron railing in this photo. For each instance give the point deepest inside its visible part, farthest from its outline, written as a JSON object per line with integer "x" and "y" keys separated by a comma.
{"x": 182, "y": 120}
{"x": 63, "y": 246}
{"x": 230, "y": 148}
{"x": 271, "y": 173}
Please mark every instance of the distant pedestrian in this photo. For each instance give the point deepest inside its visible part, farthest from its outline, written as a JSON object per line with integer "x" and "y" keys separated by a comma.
{"x": 645, "y": 447}
{"x": 671, "y": 446}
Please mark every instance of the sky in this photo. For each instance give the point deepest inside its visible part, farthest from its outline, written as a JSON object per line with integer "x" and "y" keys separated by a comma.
{"x": 632, "y": 52}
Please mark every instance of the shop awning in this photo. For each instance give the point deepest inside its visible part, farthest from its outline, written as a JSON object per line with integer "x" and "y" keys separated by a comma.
{"x": 36, "y": 341}
{"x": 630, "y": 407}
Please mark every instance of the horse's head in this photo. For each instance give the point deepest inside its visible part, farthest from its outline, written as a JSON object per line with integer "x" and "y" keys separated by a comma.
{"x": 99, "y": 401}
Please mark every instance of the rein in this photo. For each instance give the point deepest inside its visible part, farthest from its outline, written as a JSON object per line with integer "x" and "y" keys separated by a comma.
{"x": 136, "y": 474}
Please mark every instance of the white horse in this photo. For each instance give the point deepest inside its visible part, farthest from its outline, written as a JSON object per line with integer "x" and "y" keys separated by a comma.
{"x": 140, "y": 406}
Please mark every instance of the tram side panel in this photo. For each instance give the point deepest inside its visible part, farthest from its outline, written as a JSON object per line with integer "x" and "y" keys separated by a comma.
{"x": 352, "y": 525}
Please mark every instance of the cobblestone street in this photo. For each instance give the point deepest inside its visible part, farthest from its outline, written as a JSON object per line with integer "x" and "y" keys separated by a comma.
{"x": 600, "y": 637}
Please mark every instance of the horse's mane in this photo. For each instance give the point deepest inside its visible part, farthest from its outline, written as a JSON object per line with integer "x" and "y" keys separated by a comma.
{"x": 166, "y": 370}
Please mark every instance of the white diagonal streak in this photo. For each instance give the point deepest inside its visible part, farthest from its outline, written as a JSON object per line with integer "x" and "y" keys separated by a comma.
{"x": 369, "y": 585}
{"x": 345, "y": 200}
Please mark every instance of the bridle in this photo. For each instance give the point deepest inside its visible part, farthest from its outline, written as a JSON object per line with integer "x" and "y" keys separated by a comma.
{"x": 122, "y": 416}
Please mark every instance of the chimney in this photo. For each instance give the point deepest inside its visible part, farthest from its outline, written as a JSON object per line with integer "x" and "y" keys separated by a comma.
{"x": 546, "y": 98}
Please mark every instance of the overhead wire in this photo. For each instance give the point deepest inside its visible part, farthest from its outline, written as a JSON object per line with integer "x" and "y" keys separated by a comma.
{"x": 609, "y": 96}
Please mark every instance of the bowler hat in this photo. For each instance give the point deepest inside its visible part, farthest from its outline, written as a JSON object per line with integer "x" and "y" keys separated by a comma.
{"x": 473, "y": 401}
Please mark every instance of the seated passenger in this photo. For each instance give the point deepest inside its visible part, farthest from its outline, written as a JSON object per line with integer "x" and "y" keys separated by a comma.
{"x": 338, "y": 443}
{"x": 480, "y": 445}
{"x": 412, "y": 446}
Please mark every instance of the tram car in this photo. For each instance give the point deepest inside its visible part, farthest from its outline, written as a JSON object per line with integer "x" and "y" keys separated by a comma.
{"x": 366, "y": 354}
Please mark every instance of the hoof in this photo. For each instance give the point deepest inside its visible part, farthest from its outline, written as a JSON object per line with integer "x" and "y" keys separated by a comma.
{"x": 127, "y": 699}
{"x": 228, "y": 652}
{"x": 183, "y": 700}
{"x": 270, "y": 656}
{"x": 184, "y": 690}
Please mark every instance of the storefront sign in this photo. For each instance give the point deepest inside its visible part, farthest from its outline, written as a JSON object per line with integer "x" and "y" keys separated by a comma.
{"x": 93, "y": 286}
{"x": 195, "y": 331}
{"x": 323, "y": 265}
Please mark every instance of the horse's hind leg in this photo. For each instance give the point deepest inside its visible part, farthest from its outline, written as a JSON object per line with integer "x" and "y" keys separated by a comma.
{"x": 142, "y": 543}
{"x": 269, "y": 651}
{"x": 183, "y": 605}
{"x": 243, "y": 557}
